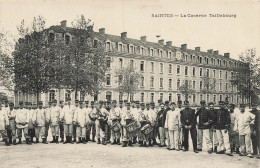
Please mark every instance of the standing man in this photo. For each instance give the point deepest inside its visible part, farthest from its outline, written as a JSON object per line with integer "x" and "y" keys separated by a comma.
{"x": 4, "y": 122}
{"x": 135, "y": 111}
{"x": 92, "y": 117}
{"x": 74, "y": 132}
{"x": 41, "y": 117}
{"x": 102, "y": 123}
{"x": 161, "y": 121}
{"x": 142, "y": 120}
{"x": 31, "y": 127}
{"x": 61, "y": 123}
{"x": 48, "y": 122}
{"x": 22, "y": 120}
{"x": 12, "y": 125}
{"x": 188, "y": 122}
{"x": 221, "y": 125}
{"x": 233, "y": 135}
{"x": 213, "y": 134}
{"x": 114, "y": 117}
{"x": 80, "y": 120}
{"x": 243, "y": 123}
{"x": 172, "y": 128}
{"x": 206, "y": 119}
{"x": 87, "y": 125}
{"x": 152, "y": 116}
{"x": 178, "y": 109}
{"x": 55, "y": 121}
{"x": 67, "y": 117}
{"x": 127, "y": 117}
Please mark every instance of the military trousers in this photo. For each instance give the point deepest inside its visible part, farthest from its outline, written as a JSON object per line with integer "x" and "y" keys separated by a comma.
{"x": 162, "y": 135}
{"x": 81, "y": 132}
{"x": 127, "y": 136}
{"x": 245, "y": 143}
{"x": 234, "y": 139}
{"x": 25, "y": 132}
{"x": 193, "y": 132}
{"x": 4, "y": 134}
{"x": 223, "y": 140}
{"x": 55, "y": 130}
{"x": 40, "y": 132}
{"x": 61, "y": 130}
{"x": 97, "y": 124}
{"x": 11, "y": 129}
{"x": 173, "y": 139}
{"x": 208, "y": 135}
{"x": 68, "y": 128}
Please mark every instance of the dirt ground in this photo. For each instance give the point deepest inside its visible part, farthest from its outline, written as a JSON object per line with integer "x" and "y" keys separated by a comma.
{"x": 93, "y": 155}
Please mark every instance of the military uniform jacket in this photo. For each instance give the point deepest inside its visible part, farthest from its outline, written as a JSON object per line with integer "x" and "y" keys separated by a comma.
{"x": 142, "y": 118}
{"x": 4, "y": 121}
{"x": 126, "y": 115}
{"x": 80, "y": 117}
{"x": 55, "y": 115}
{"x": 31, "y": 113}
{"x": 40, "y": 117}
{"x": 257, "y": 121}
{"x": 188, "y": 117}
{"x": 67, "y": 114}
{"x": 22, "y": 118}
{"x": 205, "y": 116}
{"x": 114, "y": 115}
{"x": 151, "y": 115}
{"x": 243, "y": 122}
{"x": 222, "y": 119}
{"x": 172, "y": 120}
{"x": 11, "y": 114}
{"x": 161, "y": 118}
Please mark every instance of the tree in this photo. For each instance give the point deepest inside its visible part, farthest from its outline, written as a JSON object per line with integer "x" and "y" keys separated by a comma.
{"x": 32, "y": 61}
{"x": 128, "y": 80}
{"x": 186, "y": 89}
{"x": 247, "y": 76}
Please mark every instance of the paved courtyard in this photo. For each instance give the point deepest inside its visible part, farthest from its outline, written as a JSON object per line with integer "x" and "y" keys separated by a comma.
{"x": 93, "y": 155}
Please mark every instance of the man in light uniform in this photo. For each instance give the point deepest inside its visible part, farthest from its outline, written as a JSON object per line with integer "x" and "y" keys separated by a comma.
{"x": 134, "y": 110}
{"x": 142, "y": 121}
{"x": 152, "y": 117}
{"x": 22, "y": 120}
{"x": 88, "y": 121}
{"x": 172, "y": 128}
{"x": 74, "y": 132}
{"x": 31, "y": 127}
{"x": 101, "y": 123}
{"x": 92, "y": 116}
{"x": 55, "y": 121}
{"x": 4, "y": 122}
{"x": 80, "y": 119}
{"x": 67, "y": 116}
{"x": 161, "y": 122}
{"x": 114, "y": 116}
{"x": 127, "y": 117}
{"x": 179, "y": 109}
{"x": 61, "y": 123}
{"x": 40, "y": 118}
{"x": 233, "y": 135}
{"x": 242, "y": 125}
{"x": 213, "y": 134}
{"x": 47, "y": 124}
{"x": 12, "y": 125}
{"x": 119, "y": 109}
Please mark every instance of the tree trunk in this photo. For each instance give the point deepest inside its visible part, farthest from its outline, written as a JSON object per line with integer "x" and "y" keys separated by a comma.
{"x": 76, "y": 93}
{"x": 37, "y": 97}
{"x": 128, "y": 96}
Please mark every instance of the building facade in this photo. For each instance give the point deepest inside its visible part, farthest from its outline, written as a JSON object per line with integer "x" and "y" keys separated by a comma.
{"x": 164, "y": 69}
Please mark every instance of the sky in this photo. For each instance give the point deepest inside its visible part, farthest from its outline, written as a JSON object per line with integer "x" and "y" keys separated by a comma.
{"x": 229, "y": 34}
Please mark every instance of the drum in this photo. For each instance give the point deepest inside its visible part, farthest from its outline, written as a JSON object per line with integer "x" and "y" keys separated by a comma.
{"x": 116, "y": 127}
{"x": 146, "y": 129}
{"x": 132, "y": 126}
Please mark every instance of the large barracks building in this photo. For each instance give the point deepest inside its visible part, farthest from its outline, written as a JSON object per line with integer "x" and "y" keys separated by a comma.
{"x": 164, "y": 68}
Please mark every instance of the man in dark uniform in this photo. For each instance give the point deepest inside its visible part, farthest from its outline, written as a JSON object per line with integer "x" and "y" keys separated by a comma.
{"x": 161, "y": 120}
{"x": 221, "y": 125}
{"x": 11, "y": 131}
{"x": 206, "y": 118}
{"x": 75, "y": 126}
{"x": 255, "y": 131}
{"x": 213, "y": 133}
{"x": 188, "y": 122}
{"x": 108, "y": 133}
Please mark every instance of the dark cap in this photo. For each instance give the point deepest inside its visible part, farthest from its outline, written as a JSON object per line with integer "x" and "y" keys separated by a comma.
{"x": 86, "y": 102}
{"x": 114, "y": 101}
{"x": 68, "y": 99}
{"x": 186, "y": 102}
{"x": 128, "y": 104}
{"x": 108, "y": 102}
{"x": 226, "y": 102}
{"x": 101, "y": 102}
{"x": 173, "y": 103}
{"x": 159, "y": 101}
{"x": 221, "y": 102}
{"x": 20, "y": 102}
{"x": 121, "y": 102}
{"x": 125, "y": 101}
{"x": 142, "y": 104}
{"x": 179, "y": 102}
{"x": 152, "y": 103}
{"x": 76, "y": 101}
{"x": 202, "y": 102}
{"x": 11, "y": 104}
{"x": 92, "y": 103}
{"x": 80, "y": 102}
{"x": 147, "y": 104}
{"x": 137, "y": 102}
{"x": 40, "y": 102}
{"x": 242, "y": 105}
{"x": 166, "y": 102}
{"x": 232, "y": 105}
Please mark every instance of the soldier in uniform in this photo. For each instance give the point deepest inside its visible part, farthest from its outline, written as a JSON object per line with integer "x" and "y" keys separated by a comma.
{"x": 233, "y": 135}
{"x": 92, "y": 117}
{"x": 47, "y": 124}
{"x": 6, "y": 109}
{"x": 55, "y": 121}
{"x": 40, "y": 118}
{"x": 108, "y": 134}
{"x": 206, "y": 119}
{"x": 172, "y": 128}
{"x": 127, "y": 117}
{"x": 22, "y": 120}
{"x": 142, "y": 120}
{"x": 61, "y": 123}
{"x": 12, "y": 125}
{"x": 87, "y": 126}
{"x": 134, "y": 110}
{"x": 102, "y": 123}
{"x": 243, "y": 122}
{"x": 213, "y": 134}
{"x": 74, "y": 132}
{"x": 255, "y": 130}
{"x": 67, "y": 116}
{"x": 4, "y": 122}
{"x": 188, "y": 121}
{"x": 152, "y": 116}
{"x": 178, "y": 109}
{"x": 221, "y": 125}
{"x": 31, "y": 128}
{"x": 114, "y": 117}
{"x": 80, "y": 119}
{"x": 161, "y": 121}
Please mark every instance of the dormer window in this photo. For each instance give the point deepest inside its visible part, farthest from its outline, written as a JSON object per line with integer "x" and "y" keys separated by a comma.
{"x": 161, "y": 53}
{"x": 200, "y": 60}
{"x": 169, "y": 54}
{"x": 151, "y": 52}
{"x": 131, "y": 49}
{"x": 108, "y": 46}
{"x": 186, "y": 57}
{"x": 67, "y": 39}
{"x": 51, "y": 37}
{"x": 142, "y": 51}
{"x": 120, "y": 47}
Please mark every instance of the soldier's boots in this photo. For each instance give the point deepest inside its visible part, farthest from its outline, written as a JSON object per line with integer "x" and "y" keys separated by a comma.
{"x": 93, "y": 138}
{"x": 44, "y": 141}
{"x": 72, "y": 142}
{"x": 141, "y": 144}
{"x": 150, "y": 142}
{"x": 98, "y": 141}
{"x": 31, "y": 140}
{"x": 130, "y": 143}
{"x": 114, "y": 142}
{"x": 221, "y": 152}
{"x": 79, "y": 141}
{"x": 62, "y": 139}
{"x": 237, "y": 151}
{"x": 215, "y": 149}
{"x": 118, "y": 142}
{"x": 7, "y": 142}
{"x": 104, "y": 142}
{"x": 154, "y": 142}
{"x": 134, "y": 140}
{"x": 84, "y": 141}
{"x": 20, "y": 141}
{"x": 53, "y": 139}
{"x": 67, "y": 140}
{"x": 57, "y": 139}
{"x": 124, "y": 144}
{"x": 28, "y": 142}
{"x": 14, "y": 142}
{"x": 37, "y": 140}
{"x": 145, "y": 145}
{"x": 87, "y": 138}
{"x": 74, "y": 139}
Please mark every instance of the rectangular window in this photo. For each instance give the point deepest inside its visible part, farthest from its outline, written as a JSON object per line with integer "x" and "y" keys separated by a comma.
{"x": 108, "y": 62}
{"x": 214, "y": 73}
{"x": 151, "y": 52}
{"x": 207, "y": 72}
{"x": 201, "y": 72}
{"x": 201, "y": 96}
{"x": 95, "y": 43}
{"x": 152, "y": 82}
{"x": 161, "y": 67}
{"x": 121, "y": 63}
{"x": 207, "y": 98}
{"x": 194, "y": 98}
{"x": 67, "y": 39}
{"x": 108, "y": 80}
{"x": 108, "y": 46}
{"x": 179, "y": 97}
{"x": 170, "y": 97}
{"x": 161, "y": 96}
{"x": 170, "y": 68}
{"x": 193, "y": 71}
{"x": 51, "y": 95}
{"x": 142, "y": 81}
{"x": 142, "y": 66}
{"x": 220, "y": 97}
{"x": 152, "y": 97}
{"x": 200, "y": 85}
{"x": 214, "y": 98}
{"x": 226, "y": 86}
{"x": 178, "y": 83}
{"x": 170, "y": 83}
{"x": 142, "y": 97}
{"x": 67, "y": 94}
{"x": 120, "y": 79}
{"x": 226, "y": 74}
{"x": 186, "y": 71}
{"x": 178, "y": 69}
{"x": 152, "y": 67}
{"x": 131, "y": 49}
{"x": 132, "y": 64}
{"x": 82, "y": 96}
{"x": 161, "y": 82}
{"x": 194, "y": 85}
{"x": 220, "y": 86}
{"x": 120, "y": 96}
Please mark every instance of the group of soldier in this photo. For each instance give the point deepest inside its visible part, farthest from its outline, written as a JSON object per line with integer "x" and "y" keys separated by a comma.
{"x": 226, "y": 130}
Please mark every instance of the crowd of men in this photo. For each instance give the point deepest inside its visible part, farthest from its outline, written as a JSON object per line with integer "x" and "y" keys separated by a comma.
{"x": 227, "y": 130}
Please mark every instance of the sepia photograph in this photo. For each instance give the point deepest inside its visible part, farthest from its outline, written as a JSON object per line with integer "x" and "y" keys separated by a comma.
{"x": 129, "y": 83}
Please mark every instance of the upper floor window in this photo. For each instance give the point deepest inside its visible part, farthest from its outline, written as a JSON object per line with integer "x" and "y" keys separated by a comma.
{"x": 169, "y": 54}
{"x": 152, "y": 67}
{"x": 120, "y": 79}
{"x": 142, "y": 66}
{"x": 194, "y": 84}
{"x": 95, "y": 43}
{"x": 120, "y": 47}
{"x": 178, "y": 69}
{"x": 51, "y": 95}
{"x": 161, "y": 53}
{"x": 186, "y": 71}
{"x": 121, "y": 63}
{"x": 201, "y": 72}
{"x": 142, "y": 82}
{"x": 161, "y": 67}
{"x": 131, "y": 49}
{"x": 131, "y": 64}
{"x": 152, "y": 82}
{"x": 207, "y": 72}
{"x": 108, "y": 46}
{"x": 220, "y": 86}
{"x": 178, "y": 83}
{"x": 151, "y": 52}
{"x": 214, "y": 73}
{"x": 193, "y": 71}
{"x": 186, "y": 57}
{"x": 142, "y": 97}
{"x": 200, "y": 60}
{"x": 170, "y": 68}
{"x": 142, "y": 51}
{"x": 220, "y": 74}
{"x": 108, "y": 80}
{"x": 170, "y": 83}
{"x": 207, "y": 60}
{"x": 161, "y": 82}
{"x": 226, "y": 75}
{"x": 67, "y": 39}
{"x": 108, "y": 62}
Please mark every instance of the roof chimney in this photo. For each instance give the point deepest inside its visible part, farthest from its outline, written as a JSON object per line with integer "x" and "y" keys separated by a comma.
{"x": 161, "y": 42}
{"x": 184, "y": 47}
{"x": 63, "y": 23}
{"x": 143, "y": 38}
{"x": 90, "y": 28}
{"x": 197, "y": 49}
{"x": 169, "y": 43}
{"x": 210, "y": 51}
{"x": 226, "y": 55}
{"x": 102, "y": 30}
{"x": 215, "y": 52}
{"x": 124, "y": 35}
